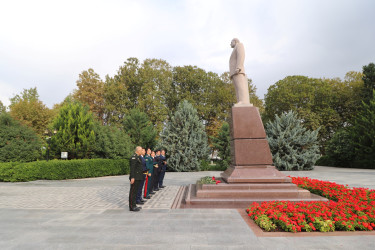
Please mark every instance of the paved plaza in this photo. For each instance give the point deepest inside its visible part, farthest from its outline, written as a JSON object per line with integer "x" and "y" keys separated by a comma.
{"x": 93, "y": 214}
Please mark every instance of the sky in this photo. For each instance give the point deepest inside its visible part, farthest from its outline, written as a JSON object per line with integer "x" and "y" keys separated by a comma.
{"x": 47, "y": 44}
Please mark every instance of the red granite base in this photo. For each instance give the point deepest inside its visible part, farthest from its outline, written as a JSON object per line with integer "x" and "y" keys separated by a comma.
{"x": 254, "y": 174}
{"x": 242, "y": 195}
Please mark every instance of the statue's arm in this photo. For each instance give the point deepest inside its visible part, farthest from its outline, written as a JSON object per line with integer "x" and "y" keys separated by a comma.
{"x": 240, "y": 58}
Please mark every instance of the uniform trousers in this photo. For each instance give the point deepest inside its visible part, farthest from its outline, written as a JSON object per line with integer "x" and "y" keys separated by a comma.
{"x": 133, "y": 193}
{"x": 139, "y": 192}
{"x": 155, "y": 179}
{"x": 150, "y": 184}
{"x": 161, "y": 177}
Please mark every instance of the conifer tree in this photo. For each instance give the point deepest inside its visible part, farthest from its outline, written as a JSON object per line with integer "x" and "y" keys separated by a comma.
{"x": 293, "y": 147}
{"x": 222, "y": 143}
{"x": 185, "y": 139}
{"x": 368, "y": 82}
{"x": 363, "y": 134}
{"x": 75, "y": 131}
{"x": 140, "y": 129}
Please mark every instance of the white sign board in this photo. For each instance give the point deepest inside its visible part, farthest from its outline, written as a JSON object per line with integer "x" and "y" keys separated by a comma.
{"x": 64, "y": 155}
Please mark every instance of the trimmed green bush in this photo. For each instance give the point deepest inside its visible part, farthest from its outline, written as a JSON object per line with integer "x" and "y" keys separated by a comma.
{"x": 61, "y": 170}
{"x": 17, "y": 142}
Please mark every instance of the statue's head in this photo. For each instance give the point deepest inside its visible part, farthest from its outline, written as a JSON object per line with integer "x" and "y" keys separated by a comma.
{"x": 234, "y": 42}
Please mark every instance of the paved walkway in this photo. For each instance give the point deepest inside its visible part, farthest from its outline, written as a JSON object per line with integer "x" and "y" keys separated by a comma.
{"x": 93, "y": 214}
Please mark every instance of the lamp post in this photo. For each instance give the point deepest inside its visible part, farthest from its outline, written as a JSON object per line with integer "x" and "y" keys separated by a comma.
{"x": 48, "y": 133}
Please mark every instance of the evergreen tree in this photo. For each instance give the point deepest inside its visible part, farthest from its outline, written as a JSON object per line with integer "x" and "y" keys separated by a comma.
{"x": 340, "y": 149}
{"x": 75, "y": 133}
{"x": 141, "y": 131}
{"x": 368, "y": 82}
{"x": 293, "y": 147}
{"x": 363, "y": 134}
{"x": 111, "y": 142}
{"x": 17, "y": 142}
{"x": 3, "y": 108}
{"x": 222, "y": 143}
{"x": 185, "y": 139}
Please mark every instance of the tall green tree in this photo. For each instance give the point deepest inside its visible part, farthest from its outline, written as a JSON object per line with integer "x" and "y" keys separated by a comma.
{"x": 3, "y": 108}
{"x": 185, "y": 139}
{"x": 30, "y": 111}
{"x": 121, "y": 91}
{"x": 325, "y": 103}
{"x": 340, "y": 149}
{"x": 363, "y": 134}
{"x": 17, "y": 142}
{"x": 75, "y": 131}
{"x": 156, "y": 77}
{"x": 139, "y": 128}
{"x": 293, "y": 147}
{"x": 222, "y": 143}
{"x": 91, "y": 92}
{"x": 212, "y": 95}
{"x": 368, "y": 82}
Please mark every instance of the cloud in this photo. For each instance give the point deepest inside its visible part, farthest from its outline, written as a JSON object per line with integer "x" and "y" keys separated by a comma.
{"x": 48, "y": 43}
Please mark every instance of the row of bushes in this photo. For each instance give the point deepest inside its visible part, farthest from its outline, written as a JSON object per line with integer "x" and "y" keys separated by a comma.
{"x": 61, "y": 170}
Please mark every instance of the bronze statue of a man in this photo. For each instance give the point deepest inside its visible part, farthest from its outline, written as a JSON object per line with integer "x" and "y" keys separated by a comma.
{"x": 237, "y": 73}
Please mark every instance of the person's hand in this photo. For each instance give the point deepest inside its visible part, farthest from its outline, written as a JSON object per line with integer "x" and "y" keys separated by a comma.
{"x": 149, "y": 175}
{"x": 132, "y": 181}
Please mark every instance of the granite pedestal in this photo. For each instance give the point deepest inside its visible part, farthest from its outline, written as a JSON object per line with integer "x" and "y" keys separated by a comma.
{"x": 251, "y": 176}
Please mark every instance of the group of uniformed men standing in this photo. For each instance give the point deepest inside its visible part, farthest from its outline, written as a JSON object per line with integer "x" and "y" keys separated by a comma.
{"x": 147, "y": 169}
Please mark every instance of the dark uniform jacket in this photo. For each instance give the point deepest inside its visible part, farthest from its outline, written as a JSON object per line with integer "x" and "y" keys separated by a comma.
{"x": 144, "y": 168}
{"x": 162, "y": 165}
{"x": 136, "y": 170}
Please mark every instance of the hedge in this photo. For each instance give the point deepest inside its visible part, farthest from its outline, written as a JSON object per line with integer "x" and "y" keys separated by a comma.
{"x": 62, "y": 169}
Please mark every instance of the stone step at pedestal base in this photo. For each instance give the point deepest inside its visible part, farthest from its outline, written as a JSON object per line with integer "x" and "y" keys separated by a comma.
{"x": 206, "y": 196}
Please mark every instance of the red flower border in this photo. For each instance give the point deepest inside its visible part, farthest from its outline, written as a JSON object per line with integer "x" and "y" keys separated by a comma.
{"x": 349, "y": 209}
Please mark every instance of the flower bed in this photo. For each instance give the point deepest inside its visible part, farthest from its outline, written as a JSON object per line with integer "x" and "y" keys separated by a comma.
{"x": 349, "y": 209}
{"x": 208, "y": 180}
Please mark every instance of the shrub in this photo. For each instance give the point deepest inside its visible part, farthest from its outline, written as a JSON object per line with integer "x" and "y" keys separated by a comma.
{"x": 17, "y": 142}
{"x": 111, "y": 142}
{"x": 60, "y": 170}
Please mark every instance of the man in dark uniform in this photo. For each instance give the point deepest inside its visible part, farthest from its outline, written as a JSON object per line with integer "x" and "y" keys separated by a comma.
{"x": 163, "y": 168}
{"x": 139, "y": 199}
{"x": 156, "y": 171}
{"x": 135, "y": 177}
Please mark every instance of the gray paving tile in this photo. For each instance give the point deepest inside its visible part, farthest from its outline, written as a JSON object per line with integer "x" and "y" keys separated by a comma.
{"x": 93, "y": 214}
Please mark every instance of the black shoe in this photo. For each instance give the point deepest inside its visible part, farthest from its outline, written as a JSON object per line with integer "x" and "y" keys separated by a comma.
{"x": 140, "y": 202}
{"x": 162, "y": 187}
{"x": 148, "y": 197}
{"x": 152, "y": 192}
{"x": 157, "y": 189}
{"x": 136, "y": 209}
